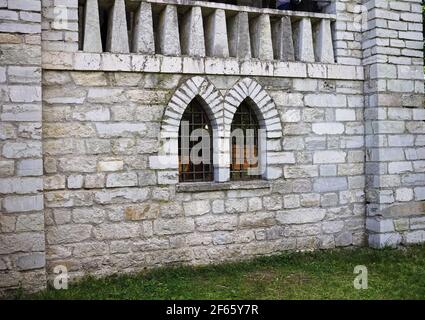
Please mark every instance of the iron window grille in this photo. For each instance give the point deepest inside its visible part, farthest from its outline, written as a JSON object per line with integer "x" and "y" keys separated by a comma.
{"x": 197, "y": 119}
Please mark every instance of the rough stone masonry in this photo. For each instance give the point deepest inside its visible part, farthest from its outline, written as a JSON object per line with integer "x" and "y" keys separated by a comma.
{"x": 86, "y": 112}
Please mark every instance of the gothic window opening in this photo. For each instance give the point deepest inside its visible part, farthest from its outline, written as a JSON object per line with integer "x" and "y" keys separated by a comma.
{"x": 195, "y": 157}
{"x": 245, "y": 144}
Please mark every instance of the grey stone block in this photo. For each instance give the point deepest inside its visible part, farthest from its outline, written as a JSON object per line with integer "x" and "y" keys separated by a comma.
{"x": 92, "y": 41}
{"x": 168, "y": 32}
{"x": 216, "y": 35}
{"x": 117, "y": 40}
{"x": 283, "y": 44}
{"x": 239, "y": 39}
{"x": 143, "y": 38}
{"x": 192, "y": 33}
{"x": 31, "y": 261}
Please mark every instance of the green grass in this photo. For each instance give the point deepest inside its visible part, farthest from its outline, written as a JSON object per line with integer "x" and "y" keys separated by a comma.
{"x": 393, "y": 274}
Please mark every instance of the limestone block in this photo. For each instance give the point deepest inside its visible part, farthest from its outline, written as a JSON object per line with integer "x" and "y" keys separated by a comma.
{"x": 239, "y": 39}
{"x": 192, "y": 33}
{"x": 330, "y": 184}
{"x": 299, "y": 216}
{"x": 75, "y": 181}
{"x": 328, "y": 128}
{"x": 329, "y": 156}
{"x": 168, "y": 32}
{"x": 126, "y": 179}
{"x": 303, "y": 41}
{"x": 117, "y": 38}
{"x": 173, "y": 226}
{"x": 23, "y": 203}
{"x": 323, "y": 48}
{"x": 92, "y": 41}
{"x": 417, "y": 236}
{"x": 196, "y": 208}
{"x": 143, "y": 38}
{"x": 283, "y": 44}
{"x": 112, "y": 165}
{"x": 261, "y": 35}
{"x": 7, "y": 168}
{"x": 236, "y": 205}
{"x": 384, "y": 240}
{"x": 216, "y": 223}
{"x": 31, "y": 261}
{"x": 30, "y": 167}
{"x": 216, "y": 35}
{"x": 21, "y": 185}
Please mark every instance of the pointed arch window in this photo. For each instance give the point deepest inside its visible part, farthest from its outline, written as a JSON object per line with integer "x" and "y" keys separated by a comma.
{"x": 195, "y": 145}
{"x": 245, "y": 144}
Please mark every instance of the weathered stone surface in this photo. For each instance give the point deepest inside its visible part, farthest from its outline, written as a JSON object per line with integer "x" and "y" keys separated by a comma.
{"x": 303, "y": 41}
{"x": 261, "y": 35}
{"x": 116, "y": 231}
{"x": 216, "y": 42}
{"x": 173, "y": 226}
{"x": 239, "y": 40}
{"x": 92, "y": 40}
{"x": 68, "y": 233}
{"x": 192, "y": 33}
{"x": 168, "y": 31}
{"x": 324, "y": 51}
{"x": 143, "y": 39}
{"x": 299, "y": 216}
{"x": 23, "y": 203}
{"x": 197, "y": 208}
{"x": 142, "y": 211}
{"x": 117, "y": 40}
{"x": 31, "y": 261}
{"x": 283, "y": 48}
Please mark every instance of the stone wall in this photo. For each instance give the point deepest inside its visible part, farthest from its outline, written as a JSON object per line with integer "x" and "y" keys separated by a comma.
{"x": 108, "y": 210}
{"x": 345, "y": 149}
{"x": 22, "y": 258}
{"x": 395, "y": 126}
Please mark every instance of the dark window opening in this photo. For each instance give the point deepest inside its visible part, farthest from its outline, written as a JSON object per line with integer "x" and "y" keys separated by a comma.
{"x": 244, "y": 156}
{"x": 196, "y": 118}
{"x": 296, "y": 5}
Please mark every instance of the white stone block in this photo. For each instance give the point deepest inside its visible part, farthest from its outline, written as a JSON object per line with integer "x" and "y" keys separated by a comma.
{"x": 23, "y": 203}
{"x": 112, "y": 165}
{"x": 323, "y": 48}
{"x": 143, "y": 37}
{"x": 216, "y": 35}
{"x": 328, "y": 128}
{"x": 283, "y": 43}
{"x": 345, "y": 115}
{"x": 261, "y": 36}
{"x": 168, "y": 32}
{"x": 192, "y": 33}
{"x": 117, "y": 39}
{"x": 239, "y": 39}
{"x": 303, "y": 41}
{"x": 329, "y": 156}
{"x": 92, "y": 41}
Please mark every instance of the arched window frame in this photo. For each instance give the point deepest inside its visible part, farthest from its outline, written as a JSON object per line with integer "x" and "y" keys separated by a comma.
{"x": 220, "y": 111}
{"x": 204, "y": 169}
{"x": 258, "y": 126}
{"x": 211, "y": 99}
{"x": 267, "y": 116}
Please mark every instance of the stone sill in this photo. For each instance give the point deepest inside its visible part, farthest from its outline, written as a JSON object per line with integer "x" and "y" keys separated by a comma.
{"x": 239, "y": 8}
{"x": 82, "y": 61}
{"x": 221, "y": 186}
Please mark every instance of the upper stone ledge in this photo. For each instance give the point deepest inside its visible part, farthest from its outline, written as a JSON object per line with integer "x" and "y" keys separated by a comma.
{"x": 239, "y": 8}
{"x": 83, "y": 61}
{"x": 222, "y": 186}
